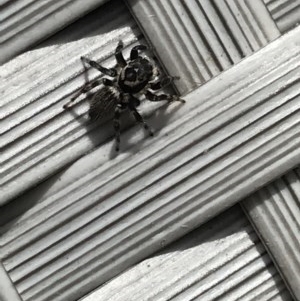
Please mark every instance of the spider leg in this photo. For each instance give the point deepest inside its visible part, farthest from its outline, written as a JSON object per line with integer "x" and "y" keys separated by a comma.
{"x": 107, "y": 82}
{"x": 163, "y": 83}
{"x": 140, "y": 119}
{"x": 134, "y": 54}
{"x": 118, "y": 110}
{"x": 170, "y": 98}
{"x": 87, "y": 87}
{"x": 110, "y": 72}
{"x": 119, "y": 56}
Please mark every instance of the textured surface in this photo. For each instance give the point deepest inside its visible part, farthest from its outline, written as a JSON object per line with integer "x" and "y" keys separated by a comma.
{"x": 24, "y": 23}
{"x": 211, "y": 153}
{"x": 286, "y": 13}
{"x": 223, "y": 260}
{"x": 275, "y": 213}
{"x": 203, "y": 37}
{"x": 7, "y": 289}
{"x": 102, "y": 214}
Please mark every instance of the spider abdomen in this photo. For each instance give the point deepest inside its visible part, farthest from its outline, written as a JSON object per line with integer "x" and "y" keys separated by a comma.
{"x": 103, "y": 103}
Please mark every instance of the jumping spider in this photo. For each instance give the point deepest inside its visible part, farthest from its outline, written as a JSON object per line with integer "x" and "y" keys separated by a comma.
{"x": 130, "y": 80}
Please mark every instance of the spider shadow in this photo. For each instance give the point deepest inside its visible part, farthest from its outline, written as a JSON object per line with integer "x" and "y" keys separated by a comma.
{"x": 157, "y": 121}
{"x": 101, "y": 131}
{"x": 98, "y": 131}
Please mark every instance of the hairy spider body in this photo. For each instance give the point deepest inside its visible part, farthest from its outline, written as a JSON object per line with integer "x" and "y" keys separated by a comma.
{"x": 103, "y": 103}
{"x": 131, "y": 80}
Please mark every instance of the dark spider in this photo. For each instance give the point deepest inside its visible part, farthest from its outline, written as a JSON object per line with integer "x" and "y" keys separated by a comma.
{"x": 130, "y": 80}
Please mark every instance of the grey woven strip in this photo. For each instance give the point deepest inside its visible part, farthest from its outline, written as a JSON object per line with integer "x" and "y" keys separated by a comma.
{"x": 7, "y": 289}
{"x": 197, "y": 39}
{"x": 275, "y": 213}
{"x": 222, "y": 260}
{"x": 24, "y": 23}
{"x": 286, "y": 13}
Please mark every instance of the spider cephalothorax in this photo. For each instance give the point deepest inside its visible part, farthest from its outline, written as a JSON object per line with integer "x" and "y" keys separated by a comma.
{"x": 129, "y": 81}
{"x": 136, "y": 75}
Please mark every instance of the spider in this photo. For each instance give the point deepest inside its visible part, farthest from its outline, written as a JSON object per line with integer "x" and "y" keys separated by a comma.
{"x": 130, "y": 80}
